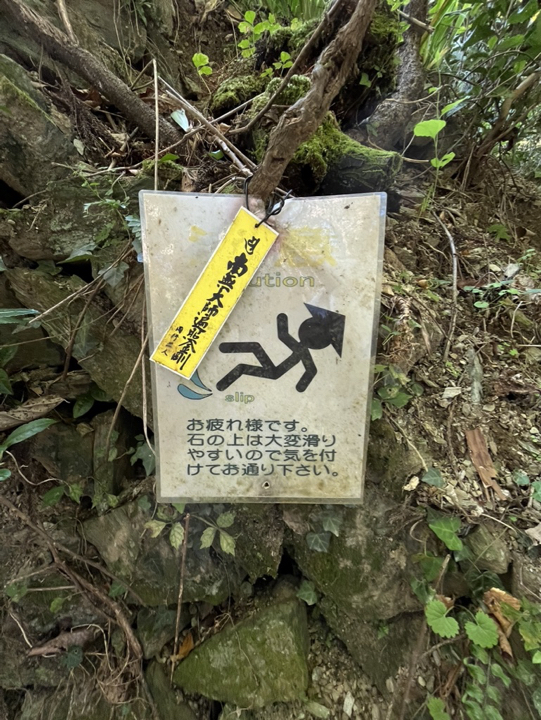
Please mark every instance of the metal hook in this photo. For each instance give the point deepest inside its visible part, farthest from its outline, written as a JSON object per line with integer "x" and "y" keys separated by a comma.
{"x": 275, "y": 204}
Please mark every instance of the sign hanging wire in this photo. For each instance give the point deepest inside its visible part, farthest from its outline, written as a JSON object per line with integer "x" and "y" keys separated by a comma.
{"x": 274, "y": 206}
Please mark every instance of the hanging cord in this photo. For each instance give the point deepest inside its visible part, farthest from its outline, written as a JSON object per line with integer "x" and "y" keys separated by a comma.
{"x": 274, "y": 206}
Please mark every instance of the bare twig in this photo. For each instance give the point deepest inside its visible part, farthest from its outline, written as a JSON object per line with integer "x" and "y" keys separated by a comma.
{"x": 233, "y": 152}
{"x": 455, "y": 288}
{"x": 78, "y": 323}
{"x": 63, "y": 12}
{"x": 414, "y": 21}
{"x": 54, "y": 543}
{"x": 180, "y": 590}
{"x": 301, "y": 120}
{"x": 301, "y": 57}
{"x": 157, "y": 113}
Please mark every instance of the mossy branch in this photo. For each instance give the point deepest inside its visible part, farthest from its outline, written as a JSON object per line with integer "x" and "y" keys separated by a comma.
{"x": 303, "y": 118}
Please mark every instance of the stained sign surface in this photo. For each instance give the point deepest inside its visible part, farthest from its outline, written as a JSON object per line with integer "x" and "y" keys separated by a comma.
{"x": 277, "y": 410}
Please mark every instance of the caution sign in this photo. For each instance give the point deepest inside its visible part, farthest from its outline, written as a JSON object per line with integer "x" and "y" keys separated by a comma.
{"x": 215, "y": 294}
{"x": 277, "y": 408}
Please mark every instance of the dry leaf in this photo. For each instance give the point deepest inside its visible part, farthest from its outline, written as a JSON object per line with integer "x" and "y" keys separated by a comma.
{"x": 30, "y": 410}
{"x": 535, "y": 534}
{"x": 295, "y": 521}
{"x": 482, "y": 460}
{"x": 81, "y": 637}
{"x": 447, "y": 601}
{"x": 185, "y": 649}
{"x": 494, "y": 599}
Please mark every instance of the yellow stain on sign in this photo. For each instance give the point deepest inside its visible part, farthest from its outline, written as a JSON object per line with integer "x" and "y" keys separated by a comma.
{"x": 215, "y": 294}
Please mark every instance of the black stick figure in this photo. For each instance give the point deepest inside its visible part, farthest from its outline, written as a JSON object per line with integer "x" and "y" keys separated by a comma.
{"x": 324, "y": 328}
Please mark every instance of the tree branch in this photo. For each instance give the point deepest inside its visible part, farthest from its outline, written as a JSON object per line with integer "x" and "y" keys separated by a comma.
{"x": 302, "y": 119}
{"x": 60, "y": 47}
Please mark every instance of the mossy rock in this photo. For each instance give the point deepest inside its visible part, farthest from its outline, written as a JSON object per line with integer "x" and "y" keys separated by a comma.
{"x": 234, "y": 91}
{"x": 259, "y": 661}
{"x": 152, "y": 567}
{"x": 260, "y": 532}
{"x": 30, "y": 140}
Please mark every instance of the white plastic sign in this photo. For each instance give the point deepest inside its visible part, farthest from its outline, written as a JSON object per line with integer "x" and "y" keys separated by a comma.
{"x": 278, "y": 408}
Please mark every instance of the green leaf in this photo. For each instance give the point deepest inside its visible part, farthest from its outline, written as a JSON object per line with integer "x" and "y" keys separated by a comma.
{"x": 536, "y": 699}
{"x": 249, "y": 16}
{"x": 117, "y": 589}
{"x": 499, "y": 231}
{"x": 112, "y": 500}
{"x": 365, "y": 80}
{"x": 443, "y": 161}
{"x": 498, "y": 672}
{"x": 245, "y": 44}
{"x": 477, "y": 673}
{"x": 400, "y": 400}
{"x": 82, "y": 405}
{"x": 421, "y": 590}
{"x": 433, "y": 477}
{"x": 307, "y": 592}
{"x": 7, "y": 354}
{"x": 429, "y": 128}
{"x": 248, "y": 53}
{"x": 226, "y": 519}
{"x": 492, "y": 713}
{"x": 377, "y": 409}
{"x": 480, "y": 653}
{"x": 430, "y": 565}
{"x": 318, "y": 541}
{"x": 205, "y": 70}
{"x": 481, "y": 304}
{"x": 16, "y": 591}
{"x": 520, "y": 477}
{"x": 75, "y": 491}
{"x": 536, "y": 490}
{"x": 73, "y": 657}
{"x": 179, "y": 507}
{"x": 437, "y": 620}
{"x": 207, "y": 537}
{"x": 28, "y": 430}
{"x": 144, "y": 453}
{"x": 474, "y": 711}
{"x": 285, "y": 56}
{"x": 446, "y": 528}
{"x": 494, "y": 694}
{"x": 144, "y": 503}
{"x": 114, "y": 275}
{"x": 227, "y": 542}
{"x": 200, "y": 59}
{"x": 176, "y": 536}
{"x": 436, "y": 708}
{"x": 451, "y": 106}
{"x": 524, "y": 671}
{"x": 9, "y": 316}
{"x": 216, "y": 154}
{"x": 56, "y": 604}
{"x": 260, "y": 28}
{"x": 155, "y": 527}
{"x": 81, "y": 253}
{"x": 536, "y": 658}
{"x": 332, "y": 522}
{"x": 530, "y": 631}
{"x": 53, "y": 496}
{"x": 474, "y": 692}
{"x": 483, "y": 631}
{"x": 5, "y": 384}
{"x": 4, "y": 474}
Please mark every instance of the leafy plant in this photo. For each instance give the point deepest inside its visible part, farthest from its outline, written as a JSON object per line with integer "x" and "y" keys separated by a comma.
{"x": 254, "y": 31}
{"x": 393, "y": 387}
{"x": 25, "y": 432}
{"x": 201, "y": 64}
{"x": 144, "y": 453}
{"x": 282, "y": 64}
{"x": 307, "y": 592}
{"x": 446, "y": 529}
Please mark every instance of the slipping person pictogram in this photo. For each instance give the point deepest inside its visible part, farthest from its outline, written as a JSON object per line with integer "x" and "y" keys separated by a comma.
{"x": 324, "y": 328}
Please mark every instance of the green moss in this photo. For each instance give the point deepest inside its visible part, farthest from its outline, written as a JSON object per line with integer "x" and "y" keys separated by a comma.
{"x": 292, "y": 41}
{"x": 296, "y": 88}
{"x": 234, "y": 91}
{"x": 329, "y": 146}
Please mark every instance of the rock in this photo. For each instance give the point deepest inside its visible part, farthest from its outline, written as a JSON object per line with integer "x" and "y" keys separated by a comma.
{"x": 80, "y": 699}
{"x": 152, "y": 567}
{"x": 259, "y": 531}
{"x": 29, "y": 137}
{"x": 164, "y": 695}
{"x": 366, "y": 571}
{"x": 109, "y": 474}
{"x": 259, "y": 661}
{"x": 64, "y": 451}
{"x": 489, "y": 548}
{"x": 108, "y": 358}
{"x": 156, "y": 627}
{"x": 390, "y": 460}
{"x": 234, "y": 91}
{"x": 65, "y": 218}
